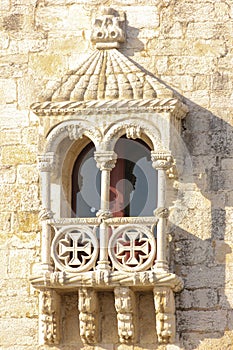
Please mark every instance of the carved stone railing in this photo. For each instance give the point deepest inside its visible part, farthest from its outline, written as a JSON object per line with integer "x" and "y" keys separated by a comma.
{"x": 131, "y": 250}
{"x": 130, "y": 247}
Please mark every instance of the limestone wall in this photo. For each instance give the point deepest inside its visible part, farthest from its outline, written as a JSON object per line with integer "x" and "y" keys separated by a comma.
{"x": 188, "y": 44}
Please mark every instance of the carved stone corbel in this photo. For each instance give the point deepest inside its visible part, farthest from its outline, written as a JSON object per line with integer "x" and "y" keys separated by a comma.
{"x": 87, "y": 305}
{"x": 125, "y": 304}
{"x": 49, "y": 311}
{"x": 165, "y": 314}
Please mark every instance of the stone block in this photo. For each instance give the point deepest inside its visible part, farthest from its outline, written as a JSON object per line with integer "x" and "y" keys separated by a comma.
{"x": 7, "y": 90}
{"x": 201, "y": 321}
{"x": 200, "y": 276}
{"x": 17, "y": 268}
{"x": 19, "y": 307}
{"x": 7, "y": 174}
{"x": 201, "y": 97}
{"x": 226, "y": 298}
{"x": 182, "y": 83}
{"x": 48, "y": 65}
{"x": 192, "y": 252}
{"x": 150, "y": 18}
{"x": 28, "y": 221}
{"x": 13, "y": 287}
{"x": 29, "y": 198}
{"x": 27, "y": 174}
{"x": 8, "y": 198}
{"x": 24, "y": 331}
{"x": 206, "y": 30}
{"x": 205, "y": 298}
{"x": 11, "y": 117}
{"x": 14, "y": 155}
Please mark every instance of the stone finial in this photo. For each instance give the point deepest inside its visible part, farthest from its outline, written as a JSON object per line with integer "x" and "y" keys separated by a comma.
{"x": 108, "y": 29}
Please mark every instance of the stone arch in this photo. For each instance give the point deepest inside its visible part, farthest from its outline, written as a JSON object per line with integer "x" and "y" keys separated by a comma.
{"x": 134, "y": 128}
{"x": 73, "y": 130}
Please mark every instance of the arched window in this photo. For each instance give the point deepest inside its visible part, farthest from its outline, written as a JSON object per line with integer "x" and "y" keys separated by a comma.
{"x": 133, "y": 185}
{"x": 85, "y": 184}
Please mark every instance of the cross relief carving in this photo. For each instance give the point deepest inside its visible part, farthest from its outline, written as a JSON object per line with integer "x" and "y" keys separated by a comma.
{"x": 75, "y": 249}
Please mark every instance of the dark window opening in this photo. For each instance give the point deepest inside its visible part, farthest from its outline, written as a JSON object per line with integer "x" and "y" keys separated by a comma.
{"x": 133, "y": 185}
{"x": 85, "y": 184}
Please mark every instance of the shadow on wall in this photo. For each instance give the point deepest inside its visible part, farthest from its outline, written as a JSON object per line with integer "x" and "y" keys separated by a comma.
{"x": 201, "y": 246}
{"x": 200, "y": 255}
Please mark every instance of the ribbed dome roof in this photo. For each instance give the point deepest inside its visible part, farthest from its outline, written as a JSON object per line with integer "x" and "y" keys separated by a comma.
{"x": 106, "y": 75}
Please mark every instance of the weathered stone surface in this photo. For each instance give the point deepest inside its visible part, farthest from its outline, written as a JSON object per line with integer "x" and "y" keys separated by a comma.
{"x": 197, "y": 299}
{"x": 202, "y": 321}
{"x": 14, "y": 155}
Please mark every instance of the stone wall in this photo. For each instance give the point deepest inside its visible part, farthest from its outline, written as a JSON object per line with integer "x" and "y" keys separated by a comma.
{"x": 188, "y": 45}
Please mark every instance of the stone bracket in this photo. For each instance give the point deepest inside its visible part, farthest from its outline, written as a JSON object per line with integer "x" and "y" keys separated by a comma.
{"x": 49, "y": 307}
{"x": 125, "y": 307}
{"x": 165, "y": 314}
{"x": 88, "y": 308}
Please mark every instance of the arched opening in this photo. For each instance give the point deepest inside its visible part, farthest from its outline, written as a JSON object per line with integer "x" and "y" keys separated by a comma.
{"x": 85, "y": 184}
{"x": 133, "y": 185}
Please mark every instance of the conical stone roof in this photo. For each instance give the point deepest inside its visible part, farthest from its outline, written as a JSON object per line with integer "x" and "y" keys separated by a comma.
{"x": 106, "y": 80}
{"x": 106, "y": 75}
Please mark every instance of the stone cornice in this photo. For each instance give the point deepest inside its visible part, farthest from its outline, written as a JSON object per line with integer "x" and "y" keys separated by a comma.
{"x": 170, "y": 105}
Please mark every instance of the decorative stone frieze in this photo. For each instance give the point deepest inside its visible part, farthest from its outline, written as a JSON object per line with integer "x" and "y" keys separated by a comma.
{"x": 88, "y": 322}
{"x": 49, "y": 317}
{"x": 75, "y": 132}
{"x": 165, "y": 314}
{"x": 133, "y": 132}
{"x": 125, "y": 307}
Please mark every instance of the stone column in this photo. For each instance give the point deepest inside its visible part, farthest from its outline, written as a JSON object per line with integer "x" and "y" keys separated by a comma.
{"x": 46, "y": 164}
{"x": 105, "y": 162}
{"x": 161, "y": 162}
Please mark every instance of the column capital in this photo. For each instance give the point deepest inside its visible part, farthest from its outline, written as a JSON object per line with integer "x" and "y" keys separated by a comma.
{"x": 46, "y": 162}
{"x": 105, "y": 160}
{"x": 161, "y": 160}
